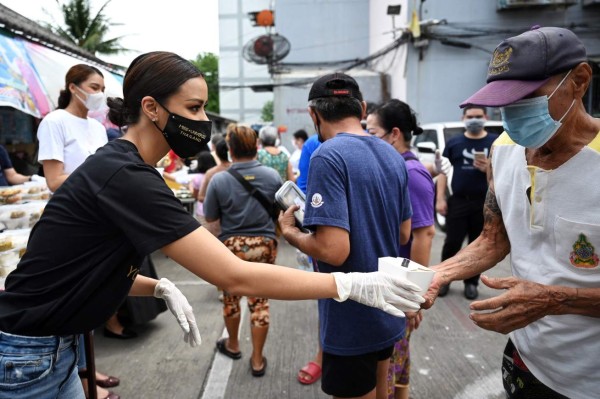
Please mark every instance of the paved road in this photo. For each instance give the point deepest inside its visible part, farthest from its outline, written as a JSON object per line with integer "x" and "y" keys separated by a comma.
{"x": 451, "y": 357}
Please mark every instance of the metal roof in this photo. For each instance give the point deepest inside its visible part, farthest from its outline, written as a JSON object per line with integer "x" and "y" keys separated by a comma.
{"x": 20, "y": 26}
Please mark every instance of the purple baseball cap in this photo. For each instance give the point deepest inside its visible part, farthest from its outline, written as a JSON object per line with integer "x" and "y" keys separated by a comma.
{"x": 522, "y": 64}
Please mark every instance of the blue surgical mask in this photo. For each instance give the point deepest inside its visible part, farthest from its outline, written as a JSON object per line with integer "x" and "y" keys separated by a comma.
{"x": 529, "y": 123}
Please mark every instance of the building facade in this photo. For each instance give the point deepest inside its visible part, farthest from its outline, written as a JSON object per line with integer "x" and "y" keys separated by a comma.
{"x": 461, "y": 37}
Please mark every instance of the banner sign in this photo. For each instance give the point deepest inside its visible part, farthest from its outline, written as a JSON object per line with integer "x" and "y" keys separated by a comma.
{"x": 20, "y": 85}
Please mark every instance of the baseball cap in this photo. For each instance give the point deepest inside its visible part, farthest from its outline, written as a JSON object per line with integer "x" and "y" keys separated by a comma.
{"x": 334, "y": 85}
{"x": 522, "y": 64}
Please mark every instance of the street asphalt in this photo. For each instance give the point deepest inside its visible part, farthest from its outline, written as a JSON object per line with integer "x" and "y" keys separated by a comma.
{"x": 451, "y": 357}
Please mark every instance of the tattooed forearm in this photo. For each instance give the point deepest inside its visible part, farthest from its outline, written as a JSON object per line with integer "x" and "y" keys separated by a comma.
{"x": 491, "y": 204}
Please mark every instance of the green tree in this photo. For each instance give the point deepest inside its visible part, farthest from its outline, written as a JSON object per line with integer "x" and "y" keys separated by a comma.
{"x": 86, "y": 30}
{"x": 267, "y": 111}
{"x": 208, "y": 63}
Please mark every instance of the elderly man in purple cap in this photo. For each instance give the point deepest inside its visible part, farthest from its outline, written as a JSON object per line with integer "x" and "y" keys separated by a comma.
{"x": 542, "y": 208}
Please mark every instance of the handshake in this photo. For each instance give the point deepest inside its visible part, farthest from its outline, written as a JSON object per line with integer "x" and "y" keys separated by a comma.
{"x": 396, "y": 288}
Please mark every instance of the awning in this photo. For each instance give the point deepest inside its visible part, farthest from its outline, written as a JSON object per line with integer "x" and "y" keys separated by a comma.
{"x": 20, "y": 84}
{"x": 52, "y": 67}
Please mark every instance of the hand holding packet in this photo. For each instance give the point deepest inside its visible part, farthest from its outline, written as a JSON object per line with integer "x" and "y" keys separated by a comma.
{"x": 406, "y": 268}
{"x": 288, "y": 195}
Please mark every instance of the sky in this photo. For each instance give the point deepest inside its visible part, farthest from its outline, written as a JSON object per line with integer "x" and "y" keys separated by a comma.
{"x": 185, "y": 27}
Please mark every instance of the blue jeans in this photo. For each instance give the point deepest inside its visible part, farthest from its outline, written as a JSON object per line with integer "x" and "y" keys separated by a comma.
{"x": 39, "y": 367}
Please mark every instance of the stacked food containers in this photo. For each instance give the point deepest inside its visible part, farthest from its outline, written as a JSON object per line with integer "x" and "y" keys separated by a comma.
{"x": 20, "y": 208}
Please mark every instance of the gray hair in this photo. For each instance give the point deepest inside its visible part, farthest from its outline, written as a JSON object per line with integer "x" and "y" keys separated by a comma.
{"x": 268, "y": 135}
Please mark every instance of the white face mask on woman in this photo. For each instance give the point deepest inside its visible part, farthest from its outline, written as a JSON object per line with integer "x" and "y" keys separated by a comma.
{"x": 92, "y": 101}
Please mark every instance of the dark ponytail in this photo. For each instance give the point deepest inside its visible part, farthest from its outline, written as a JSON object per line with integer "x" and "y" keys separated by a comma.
{"x": 76, "y": 74}
{"x": 396, "y": 113}
{"x": 157, "y": 74}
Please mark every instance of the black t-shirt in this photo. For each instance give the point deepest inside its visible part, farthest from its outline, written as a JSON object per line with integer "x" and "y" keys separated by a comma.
{"x": 466, "y": 178}
{"x": 84, "y": 253}
{"x": 5, "y": 163}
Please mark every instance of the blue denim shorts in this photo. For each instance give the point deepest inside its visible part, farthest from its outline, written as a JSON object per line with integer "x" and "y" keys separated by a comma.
{"x": 40, "y": 367}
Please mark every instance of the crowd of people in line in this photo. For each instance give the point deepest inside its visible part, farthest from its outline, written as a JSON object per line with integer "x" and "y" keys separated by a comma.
{"x": 368, "y": 196}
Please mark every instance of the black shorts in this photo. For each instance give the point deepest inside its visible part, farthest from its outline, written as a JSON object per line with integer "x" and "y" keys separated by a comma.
{"x": 519, "y": 382}
{"x": 351, "y": 376}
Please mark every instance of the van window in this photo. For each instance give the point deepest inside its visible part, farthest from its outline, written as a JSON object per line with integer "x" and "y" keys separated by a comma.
{"x": 428, "y": 135}
{"x": 450, "y": 132}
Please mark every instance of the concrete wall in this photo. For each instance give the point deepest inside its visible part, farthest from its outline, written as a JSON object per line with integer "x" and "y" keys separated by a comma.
{"x": 291, "y": 107}
{"x": 440, "y": 77}
{"x": 319, "y": 31}
{"x": 381, "y": 34}
{"x": 235, "y": 30}
{"x": 324, "y": 30}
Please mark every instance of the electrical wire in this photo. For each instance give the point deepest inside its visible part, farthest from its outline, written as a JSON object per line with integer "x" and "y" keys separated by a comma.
{"x": 352, "y": 63}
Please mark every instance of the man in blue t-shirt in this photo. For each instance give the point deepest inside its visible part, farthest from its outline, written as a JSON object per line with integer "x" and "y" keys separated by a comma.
{"x": 8, "y": 174}
{"x": 468, "y": 154}
{"x": 359, "y": 209}
{"x": 308, "y": 149}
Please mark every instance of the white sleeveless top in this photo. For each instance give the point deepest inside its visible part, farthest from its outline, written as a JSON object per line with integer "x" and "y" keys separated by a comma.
{"x": 555, "y": 240}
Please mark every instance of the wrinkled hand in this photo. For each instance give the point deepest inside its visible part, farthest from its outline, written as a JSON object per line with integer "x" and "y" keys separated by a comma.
{"x": 432, "y": 292}
{"x": 181, "y": 309}
{"x": 391, "y": 294}
{"x": 521, "y": 304}
{"x": 38, "y": 178}
{"x": 442, "y": 164}
{"x": 414, "y": 319}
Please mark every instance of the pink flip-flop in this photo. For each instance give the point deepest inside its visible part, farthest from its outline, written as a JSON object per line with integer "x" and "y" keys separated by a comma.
{"x": 311, "y": 369}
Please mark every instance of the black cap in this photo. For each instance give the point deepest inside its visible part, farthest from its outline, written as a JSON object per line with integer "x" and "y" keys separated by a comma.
{"x": 522, "y": 64}
{"x": 335, "y": 85}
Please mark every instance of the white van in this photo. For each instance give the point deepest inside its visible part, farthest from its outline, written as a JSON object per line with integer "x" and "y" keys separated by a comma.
{"x": 434, "y": 137}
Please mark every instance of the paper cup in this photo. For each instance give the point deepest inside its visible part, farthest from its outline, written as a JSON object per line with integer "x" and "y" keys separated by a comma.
{"x": 407, "y": 269}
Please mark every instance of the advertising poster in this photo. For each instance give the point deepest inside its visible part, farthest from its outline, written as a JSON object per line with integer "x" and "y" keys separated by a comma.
{"x": 20, "y": 85}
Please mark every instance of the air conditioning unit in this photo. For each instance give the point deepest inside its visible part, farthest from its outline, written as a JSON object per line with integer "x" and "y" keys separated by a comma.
{"x": 514, "y": 4}
{"x": 591, "y": 3}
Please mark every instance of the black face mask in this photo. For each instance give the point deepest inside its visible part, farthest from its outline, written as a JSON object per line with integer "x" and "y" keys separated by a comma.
{"x": 318, "y": 129}
{"x": 186, "y": 137}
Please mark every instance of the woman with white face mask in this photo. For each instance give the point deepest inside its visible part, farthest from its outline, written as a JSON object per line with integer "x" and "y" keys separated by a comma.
{"x": 67, "y": 136}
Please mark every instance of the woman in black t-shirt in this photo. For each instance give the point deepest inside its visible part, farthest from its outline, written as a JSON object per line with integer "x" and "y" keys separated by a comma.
{"x": 114, "y": 210}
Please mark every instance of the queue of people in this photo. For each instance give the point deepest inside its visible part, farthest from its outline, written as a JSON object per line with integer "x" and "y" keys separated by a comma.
{"x": 368, "y": 196}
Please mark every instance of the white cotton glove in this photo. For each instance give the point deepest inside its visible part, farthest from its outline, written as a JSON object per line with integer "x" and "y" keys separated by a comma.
{"x": 181, "y": 309}
{"x": 442, "y": 164}
{"x": 38, "y": 178}
{"x": 391, "y": 294}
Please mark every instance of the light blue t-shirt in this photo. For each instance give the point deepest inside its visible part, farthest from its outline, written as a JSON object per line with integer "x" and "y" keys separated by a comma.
{"x": 358, "y": 183}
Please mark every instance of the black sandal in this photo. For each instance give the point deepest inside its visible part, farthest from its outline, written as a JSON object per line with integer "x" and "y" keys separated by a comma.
{"x": 222, "y": 347}
{"x": 261, "y": 372}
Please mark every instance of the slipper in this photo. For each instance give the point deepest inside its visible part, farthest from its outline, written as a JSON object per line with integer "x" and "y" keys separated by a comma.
{"x": 261, "y": 372}
{"x": 221, "y": 347}
{"x": 313, "y": 370}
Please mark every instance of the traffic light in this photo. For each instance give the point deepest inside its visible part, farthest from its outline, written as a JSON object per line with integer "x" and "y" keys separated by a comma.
{"x": 264, "y": 18}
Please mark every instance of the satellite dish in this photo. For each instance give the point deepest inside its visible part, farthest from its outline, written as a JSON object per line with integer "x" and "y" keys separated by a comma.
{"x": 266, "y": 49}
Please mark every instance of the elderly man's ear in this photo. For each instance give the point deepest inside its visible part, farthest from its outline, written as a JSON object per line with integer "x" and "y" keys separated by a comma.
{"x": 581, "y": 76}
